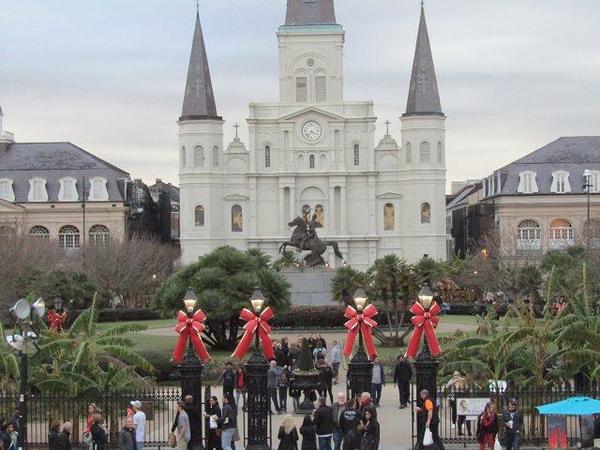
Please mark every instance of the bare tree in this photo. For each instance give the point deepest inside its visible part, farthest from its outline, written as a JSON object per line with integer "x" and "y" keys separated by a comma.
{"x": 131, "y": 268}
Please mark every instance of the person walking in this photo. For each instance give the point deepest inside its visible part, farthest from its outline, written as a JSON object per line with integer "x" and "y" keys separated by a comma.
{"x": 323, "y": 420}
{"x": 53, "y": 433}
{"x": 365, "y": 402}
{"x": 87, "y": 434}
{"x": 336, "y": 360}
{"x": 240, "y": 387}
{"x": 513, "y": 426}
{"x": 288, "y": 435}
{"x": 319, "y": 351}
{"x": 272, "y": 383}
{"x": 457, "y": 386}
{"x": 487, "y": 427}
{"x": 282, "y": 388}
{"x": 228, "y": 379}
{"x": 429, "y": 414}
{"x": 99, "y": 439}
{"x": 228, "y": 422}
{"x": 370, "y": 440}
{"x": 377, "y": 381}
{"x": 338, "y": 409}
{"x": 183, "y": 432}
{"x": 127, "y": 435}
{"x": 353, "y": 439}
{"x": 212, "y": 412}
{"x": 326, "y": 378}
{"x": 139, "y": 421}
{"x": 349, "y": 418}
{"x": 194, "y": 418}
{"x": 309, "y": 434}
{"x": 403, "y": 373}
{"x": 64, "y": 438}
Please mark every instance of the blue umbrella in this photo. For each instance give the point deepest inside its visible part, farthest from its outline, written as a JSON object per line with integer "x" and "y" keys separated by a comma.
{"x": 574, "y": 406}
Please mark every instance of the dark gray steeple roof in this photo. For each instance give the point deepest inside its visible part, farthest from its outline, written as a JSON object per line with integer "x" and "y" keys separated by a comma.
{"x": 423, "y": 95}
{"x": 310, "y": 12}
{"x": 198, "y": 100}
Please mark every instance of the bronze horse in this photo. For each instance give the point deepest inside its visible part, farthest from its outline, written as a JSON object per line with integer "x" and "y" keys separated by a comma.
{"x": 300, "y": 240}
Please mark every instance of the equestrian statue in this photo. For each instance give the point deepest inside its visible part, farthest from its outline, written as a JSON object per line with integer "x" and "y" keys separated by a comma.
{"x": 304, "y": 237}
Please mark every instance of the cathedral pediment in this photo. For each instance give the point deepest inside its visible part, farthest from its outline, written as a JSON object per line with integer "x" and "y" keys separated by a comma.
{"x": 236, "y": 197}
{"x": 389, "y": 195}
{"x": 314, "y": 110}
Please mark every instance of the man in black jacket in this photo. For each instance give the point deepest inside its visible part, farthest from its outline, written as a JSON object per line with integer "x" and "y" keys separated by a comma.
{"x": 228, "y": 378}
{"x": 195, "y": 419}
{"x": 323, "y": 421}
{"x": 402, "y": 376}
{"x": 349, "y": 419}
{"x": 513, "y": 426}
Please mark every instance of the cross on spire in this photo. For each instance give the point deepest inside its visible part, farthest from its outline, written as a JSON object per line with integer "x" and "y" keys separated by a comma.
{"x": 387, "y": 127}
{"x": 197, "y": 7}
{"x": 236, "y": 126}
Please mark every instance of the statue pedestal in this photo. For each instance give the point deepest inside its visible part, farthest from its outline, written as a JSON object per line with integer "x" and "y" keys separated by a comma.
{"x": 309, "y": 287}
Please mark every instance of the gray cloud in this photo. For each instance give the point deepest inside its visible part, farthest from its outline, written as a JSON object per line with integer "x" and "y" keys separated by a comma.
{"x": 109, "y": 75}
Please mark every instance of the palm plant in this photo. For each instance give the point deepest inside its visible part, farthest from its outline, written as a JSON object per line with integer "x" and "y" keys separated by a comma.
{"x": 345, "y": 281}
{"x": 9, "y": 366}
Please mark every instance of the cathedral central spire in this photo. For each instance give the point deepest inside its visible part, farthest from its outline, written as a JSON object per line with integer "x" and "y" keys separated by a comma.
{"x": 423, "y": 95}
{"x": 199, "y": 99}
{"x": 310, "y": 12}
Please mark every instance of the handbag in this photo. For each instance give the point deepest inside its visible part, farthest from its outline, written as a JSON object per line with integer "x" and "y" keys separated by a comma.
{"x": 172, "y": 442}
{"x": 497, "y": 445}
{"x": 427, "y": 437}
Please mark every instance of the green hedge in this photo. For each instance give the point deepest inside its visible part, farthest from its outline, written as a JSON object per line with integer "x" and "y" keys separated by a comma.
{"x": 121, "y": 315}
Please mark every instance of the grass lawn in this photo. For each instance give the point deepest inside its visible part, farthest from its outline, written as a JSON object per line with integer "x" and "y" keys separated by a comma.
{"x": 150, "y": 324}
{"x": 460, "y": 320}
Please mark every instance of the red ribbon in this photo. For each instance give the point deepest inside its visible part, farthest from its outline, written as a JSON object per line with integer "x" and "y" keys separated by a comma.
{"x": 365, "y": 323}
{"x": 190, "y": 328}
{"x": 57, "y": 321}
{"x": 424, "y": 320}
{"x": 256, "y": 324}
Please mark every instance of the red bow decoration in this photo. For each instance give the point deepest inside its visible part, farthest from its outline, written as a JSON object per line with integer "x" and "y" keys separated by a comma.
{"x": 256, "y": 324}
{"x": 57, "y": 321}
{"x": 424, "y": 320}
{"x": 190, "y": 328}
{"x": 365, "y": 323}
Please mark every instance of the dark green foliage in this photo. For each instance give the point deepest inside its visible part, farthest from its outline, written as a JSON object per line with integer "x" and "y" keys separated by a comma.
{"x": 70, "y": 286}
{"x": 224, "y": 281}
{"x": 305, "y": 362}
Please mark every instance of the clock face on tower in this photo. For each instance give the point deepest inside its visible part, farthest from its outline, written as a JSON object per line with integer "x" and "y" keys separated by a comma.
{"x": 311, "y": 130}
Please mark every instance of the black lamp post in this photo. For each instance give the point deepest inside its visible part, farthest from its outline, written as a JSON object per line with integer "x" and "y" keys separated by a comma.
{"x": 257, "y": 368}
{"x": 360, "y": 368}
{"x": 587, "y": 187}
{"x": 190, "y": 369}
{"x": 23, "y": 334}
{"x": 426, "y": 368}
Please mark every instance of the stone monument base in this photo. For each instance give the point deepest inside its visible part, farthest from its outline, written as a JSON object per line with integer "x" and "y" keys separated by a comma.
{"x": 310, "y": 287}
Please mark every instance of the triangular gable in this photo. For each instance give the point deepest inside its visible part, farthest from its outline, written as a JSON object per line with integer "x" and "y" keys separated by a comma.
{"x": 5, "y": 205}
{"x": 313, "y": 110}
{"x": 387, "y": 195}
{"x": 238, "y": 197}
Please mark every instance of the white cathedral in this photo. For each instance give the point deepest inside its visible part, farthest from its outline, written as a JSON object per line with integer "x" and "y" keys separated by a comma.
{"x": 314, "y": 148}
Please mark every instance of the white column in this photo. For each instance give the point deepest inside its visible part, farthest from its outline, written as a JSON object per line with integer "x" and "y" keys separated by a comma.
{"x": 331, "y": 214}
{"x": 282, "y": 218}
{"x": 343, "y": 212}
{"x": 372, "y": 200}
{"x": 252, "y": 204}
{"x": 293, "y": 213}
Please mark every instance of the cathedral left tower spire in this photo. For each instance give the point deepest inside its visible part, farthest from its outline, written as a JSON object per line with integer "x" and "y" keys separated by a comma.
{"x": 200, "y": 155}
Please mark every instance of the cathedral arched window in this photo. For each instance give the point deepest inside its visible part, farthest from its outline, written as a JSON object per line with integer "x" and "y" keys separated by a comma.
{"x": 39, "y": 231}
{"x": 425, "y": 213}
{"x": 199, "y": 216}
{"x": 389, "y": 220}
{"x": 440, "y": 153}
{"x": 301, "y": 89}
{"x": 68, "y": 237}
{"x": 216, "y": 155}
{"x": 311, "y": 161}
{"x": 320, "y": 88}
{"x": 267, "y": 156}
{"x": 424, "y": 152}
{"x": 356, "y": 154}
{"x": 183, "y": 158}
{"x": 320, "y": 212}
{"x": 529, "y": 235}
{"x": 300, "y": 162}
{"x": 408, "y": 152}
{"x": 99, "y": 235}
{"x": 198, "y": 156}
{"x": 237, "y": 219}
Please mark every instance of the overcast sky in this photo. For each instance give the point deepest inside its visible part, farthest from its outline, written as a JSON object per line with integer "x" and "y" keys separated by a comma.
{"x": 109, "y": 75}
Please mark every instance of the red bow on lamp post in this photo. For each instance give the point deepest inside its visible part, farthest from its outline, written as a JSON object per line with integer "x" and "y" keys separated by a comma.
{"x": 425, "y": 320}
{"x": 257, "y": 327}
{"x": 360, "y": 323}
{"x": 190, "y": 327}
{"x": 57, "y": 321}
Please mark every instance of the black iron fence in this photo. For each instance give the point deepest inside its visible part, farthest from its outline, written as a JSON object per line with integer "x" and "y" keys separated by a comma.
{"x": 459, "y": 411}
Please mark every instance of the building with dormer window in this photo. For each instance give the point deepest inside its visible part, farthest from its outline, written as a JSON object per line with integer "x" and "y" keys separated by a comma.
{"x": 314, "y": 147}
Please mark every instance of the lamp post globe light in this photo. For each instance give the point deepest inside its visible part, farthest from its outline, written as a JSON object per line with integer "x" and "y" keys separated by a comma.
{"x": 190, "y": 370}
{"x": 256, "y": 382}
{"x": 426, "y": 367}
{"x": 22, "y": 335}
{"x": 360, "y": 368}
